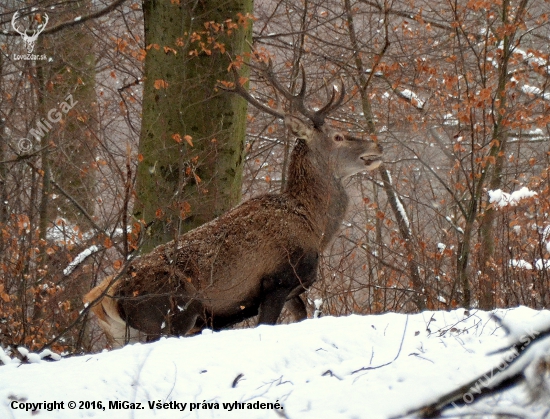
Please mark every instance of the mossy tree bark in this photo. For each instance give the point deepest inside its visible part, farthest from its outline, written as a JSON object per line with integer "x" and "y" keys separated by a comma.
{"x": 192, "y": 136}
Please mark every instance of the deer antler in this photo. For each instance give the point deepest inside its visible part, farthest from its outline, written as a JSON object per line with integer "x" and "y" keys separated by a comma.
{"x": 296, "y": 100}
{"x": 333, "y": 103}
{"x": 35, "y": 32}
{"x": 241, "y": 91}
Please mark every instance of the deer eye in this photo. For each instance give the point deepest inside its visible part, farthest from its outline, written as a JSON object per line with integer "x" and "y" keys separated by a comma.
{"x": 338, "y": 137}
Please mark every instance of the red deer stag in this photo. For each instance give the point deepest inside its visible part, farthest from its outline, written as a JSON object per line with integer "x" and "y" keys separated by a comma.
{"x": 257, "y": 256}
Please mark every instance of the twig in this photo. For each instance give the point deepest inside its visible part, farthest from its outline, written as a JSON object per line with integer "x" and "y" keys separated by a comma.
{"x": 396, "y": 356}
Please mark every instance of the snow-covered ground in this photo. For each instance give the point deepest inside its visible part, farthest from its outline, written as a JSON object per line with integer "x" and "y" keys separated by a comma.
{"x": 378, "y": 366}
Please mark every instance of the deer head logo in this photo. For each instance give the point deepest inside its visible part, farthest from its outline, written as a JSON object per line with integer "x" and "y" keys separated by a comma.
{"x": 29, "y": 40}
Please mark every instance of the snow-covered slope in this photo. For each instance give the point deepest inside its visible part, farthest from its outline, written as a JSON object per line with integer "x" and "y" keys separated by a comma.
{"x": 378, "y": 366}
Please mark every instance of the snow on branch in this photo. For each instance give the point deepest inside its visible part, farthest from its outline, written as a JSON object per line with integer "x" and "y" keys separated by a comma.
{"x": 503, "y": 199}
{"x": 535, "y": 91}
{"x": 411, "y": 97}
{"x": 23, "y": 355}
{"x": 531, "y": 58}
{"x": 81, "y": 257}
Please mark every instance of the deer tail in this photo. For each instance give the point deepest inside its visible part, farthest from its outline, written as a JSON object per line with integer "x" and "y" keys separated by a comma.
{"x": 106, "y": 310}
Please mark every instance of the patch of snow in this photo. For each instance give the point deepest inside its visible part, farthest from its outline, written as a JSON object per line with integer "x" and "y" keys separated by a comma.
{"x": 46, "y": 353}
{"x": 542, "y": 264}
{"x": 503, "y": 199}
{"x": 4, "y": 357}
{"x": 79, "y": 259}
{"x": 531, "y": 58}
{"x": 402, "y": 211}
{"x": 411, "y": 97}
{"x": 318, "y": 302}
{"x": 450, "y": 119}
{"x": 521, "y": 264}
{"x": 533, "y": 90}
{"x": 23, "y": 351}
{"x": 65, "y": 233}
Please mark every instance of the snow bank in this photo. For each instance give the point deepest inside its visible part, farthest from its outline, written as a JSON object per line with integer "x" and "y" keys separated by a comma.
{"x": 370, "y": 367}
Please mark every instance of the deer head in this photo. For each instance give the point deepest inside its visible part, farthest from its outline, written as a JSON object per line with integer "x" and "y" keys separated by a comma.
{"x": 29, "y": 40}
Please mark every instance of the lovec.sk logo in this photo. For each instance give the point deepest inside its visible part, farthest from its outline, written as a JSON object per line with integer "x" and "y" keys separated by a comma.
{"x": 29, "y": 40}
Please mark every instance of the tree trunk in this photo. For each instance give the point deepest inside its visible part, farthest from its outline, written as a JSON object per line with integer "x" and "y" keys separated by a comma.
{"x": 497, "y": 152}
{"x": 192, "y": 135}
{"x": 3, "y": 166}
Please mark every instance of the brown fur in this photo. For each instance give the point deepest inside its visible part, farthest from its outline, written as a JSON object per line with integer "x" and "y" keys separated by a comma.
{"x": 250, "y": 260}
{"x": 107, "y": 314}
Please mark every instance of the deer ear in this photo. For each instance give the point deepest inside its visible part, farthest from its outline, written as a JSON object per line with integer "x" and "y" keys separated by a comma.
{"x": 298, "y": 127}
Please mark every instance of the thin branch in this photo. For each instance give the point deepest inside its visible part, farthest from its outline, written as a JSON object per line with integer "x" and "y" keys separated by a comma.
{"x": 76, "y": 204}
{"x": 413, "y": 16}
{"x": 396, "y": 356}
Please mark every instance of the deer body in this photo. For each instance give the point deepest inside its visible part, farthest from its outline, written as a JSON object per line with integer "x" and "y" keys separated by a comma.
{"x": 250, "y": 260}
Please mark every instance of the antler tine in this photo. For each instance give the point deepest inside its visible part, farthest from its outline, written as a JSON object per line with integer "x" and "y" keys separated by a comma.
{"x": 297, "y": 101}
{"x": 302, "y": 92}
{"x": 270, "y": 77}
{"x": 47, "y": 18}
{"x": 332, "y": 104}
{"x": 241, "y": 91}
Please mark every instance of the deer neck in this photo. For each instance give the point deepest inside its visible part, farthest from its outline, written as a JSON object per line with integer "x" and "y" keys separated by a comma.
{"x": 316, "y": 188}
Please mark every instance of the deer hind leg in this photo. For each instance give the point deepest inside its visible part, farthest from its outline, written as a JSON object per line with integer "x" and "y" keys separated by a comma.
{"x": 293, "y": 278}
{"x": 185, "y": 314}
{"x": 272, "y": 305}
{"x": 297, "y": 308}
{"x": 145, "y": 313}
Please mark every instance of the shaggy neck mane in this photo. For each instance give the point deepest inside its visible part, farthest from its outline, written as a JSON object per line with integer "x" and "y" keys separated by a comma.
{"x": 322, "y": 195}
